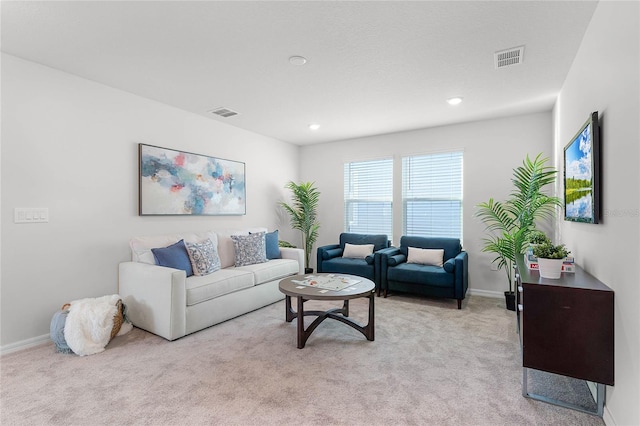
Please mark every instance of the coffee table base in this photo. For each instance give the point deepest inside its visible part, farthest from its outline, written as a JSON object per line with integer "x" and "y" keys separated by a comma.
{"x": 339, "y": 314}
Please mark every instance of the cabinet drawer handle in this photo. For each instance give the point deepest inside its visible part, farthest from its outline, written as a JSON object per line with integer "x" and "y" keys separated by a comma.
{"x": 520, "y": 307}
{"x": 520, "y": 288}
{"x": 517, "y": 275}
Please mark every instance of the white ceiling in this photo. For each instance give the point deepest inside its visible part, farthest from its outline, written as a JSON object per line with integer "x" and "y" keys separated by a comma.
{"x": 373, "y": 67}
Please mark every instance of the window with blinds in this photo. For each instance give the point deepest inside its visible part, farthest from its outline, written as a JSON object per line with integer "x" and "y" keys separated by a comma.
{"x": 368, "y": 197}
{"x": 432, "y": 195}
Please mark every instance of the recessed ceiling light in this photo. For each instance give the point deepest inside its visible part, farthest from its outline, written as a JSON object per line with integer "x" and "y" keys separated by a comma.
{"x": 314, "y": 126}
{"x": 297, "y": 60}
{"x": 454, "y": 101}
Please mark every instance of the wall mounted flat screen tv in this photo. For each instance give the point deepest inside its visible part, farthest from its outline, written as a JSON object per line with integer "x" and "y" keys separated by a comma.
{"x": 582, "y": 174}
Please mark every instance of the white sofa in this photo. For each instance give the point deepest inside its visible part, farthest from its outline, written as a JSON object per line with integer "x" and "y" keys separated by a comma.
{"x": 166, "y": 302}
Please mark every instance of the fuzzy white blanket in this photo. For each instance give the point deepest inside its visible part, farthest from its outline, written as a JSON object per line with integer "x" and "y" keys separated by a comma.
{"x": 89, "y": 323}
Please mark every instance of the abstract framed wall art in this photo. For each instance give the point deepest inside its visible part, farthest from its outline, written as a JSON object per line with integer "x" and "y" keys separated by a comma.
{"x": 182, "y": 183}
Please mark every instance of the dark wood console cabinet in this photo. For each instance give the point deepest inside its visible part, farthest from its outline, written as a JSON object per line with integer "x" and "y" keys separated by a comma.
{"x": 566, "y": 327}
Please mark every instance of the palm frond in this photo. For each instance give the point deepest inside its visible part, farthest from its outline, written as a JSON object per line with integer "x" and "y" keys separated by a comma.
{"x": 510, "y": 222}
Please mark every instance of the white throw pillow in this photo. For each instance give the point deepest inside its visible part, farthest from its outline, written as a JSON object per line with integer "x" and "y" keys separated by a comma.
{"x": 357, "y": 251}
{"x": 426, "y": 256}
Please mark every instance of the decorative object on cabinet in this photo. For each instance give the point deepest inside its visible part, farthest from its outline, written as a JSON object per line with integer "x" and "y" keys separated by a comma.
{"x": 550, "y": 259}
{"x": 566, "y": 327}
{"x": 582, "y": 174}
{"x": 182, "y": 183}
{"x": 509, "y": 223}
{"x": 303, "y": 212}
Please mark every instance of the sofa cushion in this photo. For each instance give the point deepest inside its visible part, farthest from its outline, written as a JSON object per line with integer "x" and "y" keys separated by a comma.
{"x": 357, "y": 251}
{"x": 425, "y": 256}
{"x": 272, "y": 270}
{"x": 421, "y": 274}
{"x": 174, "y": 256}
{"x": 204, "y": 257}
{"x": 217, "y": 284}
{"x": 250, "y": 249}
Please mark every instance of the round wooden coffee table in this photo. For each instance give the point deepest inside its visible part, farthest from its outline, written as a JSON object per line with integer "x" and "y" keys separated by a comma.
{"x": 293, "y": 287}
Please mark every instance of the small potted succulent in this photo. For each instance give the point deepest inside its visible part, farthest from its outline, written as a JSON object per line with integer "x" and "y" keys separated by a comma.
{"x": 550, "y": 258}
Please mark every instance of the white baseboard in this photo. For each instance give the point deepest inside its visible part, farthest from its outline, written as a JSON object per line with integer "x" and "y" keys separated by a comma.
{"x": 486, "y": 293}
{"x": 24, "y": 344}
{"x": 607, "y": 417}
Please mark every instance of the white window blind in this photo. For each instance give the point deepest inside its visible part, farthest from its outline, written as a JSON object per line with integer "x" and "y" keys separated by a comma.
{"x": 432, "y": 195}
{"x": 368, "y": 197}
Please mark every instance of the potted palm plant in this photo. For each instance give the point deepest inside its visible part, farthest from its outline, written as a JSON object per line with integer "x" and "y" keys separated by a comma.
{"x": 550, "y": 258}
{"x": 509, "y": 223}
{"x": 303, "y": 212}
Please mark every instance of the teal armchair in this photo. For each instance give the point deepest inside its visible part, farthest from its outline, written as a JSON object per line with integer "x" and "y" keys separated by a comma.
{"x": 451, "y": 280}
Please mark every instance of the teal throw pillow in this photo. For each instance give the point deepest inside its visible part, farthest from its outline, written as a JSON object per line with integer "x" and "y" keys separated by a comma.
{"x": 271, "y": 242}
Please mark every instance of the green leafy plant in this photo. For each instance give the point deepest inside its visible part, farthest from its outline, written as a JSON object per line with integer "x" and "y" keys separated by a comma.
{"x": 282, "y": 243}
{"x": 509, "y": 223}
{"x": 538, "y": 237}
{"x": 549, "y": 251}
{"x": 303, "y": 212}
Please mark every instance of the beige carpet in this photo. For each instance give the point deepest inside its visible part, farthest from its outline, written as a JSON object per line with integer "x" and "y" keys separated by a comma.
{"x": 430, "y": 364}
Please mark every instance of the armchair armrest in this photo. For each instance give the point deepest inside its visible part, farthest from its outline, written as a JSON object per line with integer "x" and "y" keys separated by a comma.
{"x": 327, "y": 252}
{"x": 155, "y": 297}
{"x": 396, "y": 259}
{"x": 462, "y": 274}
{"x": 381, "y": 264}
{"x": 295, "y": 254}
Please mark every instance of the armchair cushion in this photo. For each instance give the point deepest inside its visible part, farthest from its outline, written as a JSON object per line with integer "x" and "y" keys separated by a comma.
{"x": 379, "y": 241}
{"x": 421, "y": 274}
{"x": 357, "y": 251}
{"x": 349, "y": 265}
{"x": 425, "y": 256}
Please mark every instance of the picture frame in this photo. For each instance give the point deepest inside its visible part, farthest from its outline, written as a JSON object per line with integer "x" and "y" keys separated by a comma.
{"x": 582, "y": 174}
{"x": 173, "y": 182}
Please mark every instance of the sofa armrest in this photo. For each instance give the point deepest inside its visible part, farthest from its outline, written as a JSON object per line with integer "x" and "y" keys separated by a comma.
{"x": 295, "y": 254}
{"x": 155, "y": 297}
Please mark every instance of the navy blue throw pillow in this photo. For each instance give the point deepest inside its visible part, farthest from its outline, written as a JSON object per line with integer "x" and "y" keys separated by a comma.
{"x": 174, "y": 256}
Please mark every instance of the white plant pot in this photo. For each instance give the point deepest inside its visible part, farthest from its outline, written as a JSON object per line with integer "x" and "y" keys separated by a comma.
{"x": 550, "y": 268}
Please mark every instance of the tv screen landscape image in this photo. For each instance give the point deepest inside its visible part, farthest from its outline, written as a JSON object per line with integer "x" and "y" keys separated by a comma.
{"x": 582, "y": 174}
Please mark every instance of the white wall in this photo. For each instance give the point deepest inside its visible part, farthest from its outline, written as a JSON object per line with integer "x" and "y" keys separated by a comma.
{"x": 605, "y": 77}
{"x": 70, "y": 144}
{"x": 492, "y": 149}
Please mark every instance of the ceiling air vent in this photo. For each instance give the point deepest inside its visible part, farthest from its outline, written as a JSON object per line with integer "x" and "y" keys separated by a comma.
{"x": 223, "y": 112}
{"x": 506, "y": 58}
